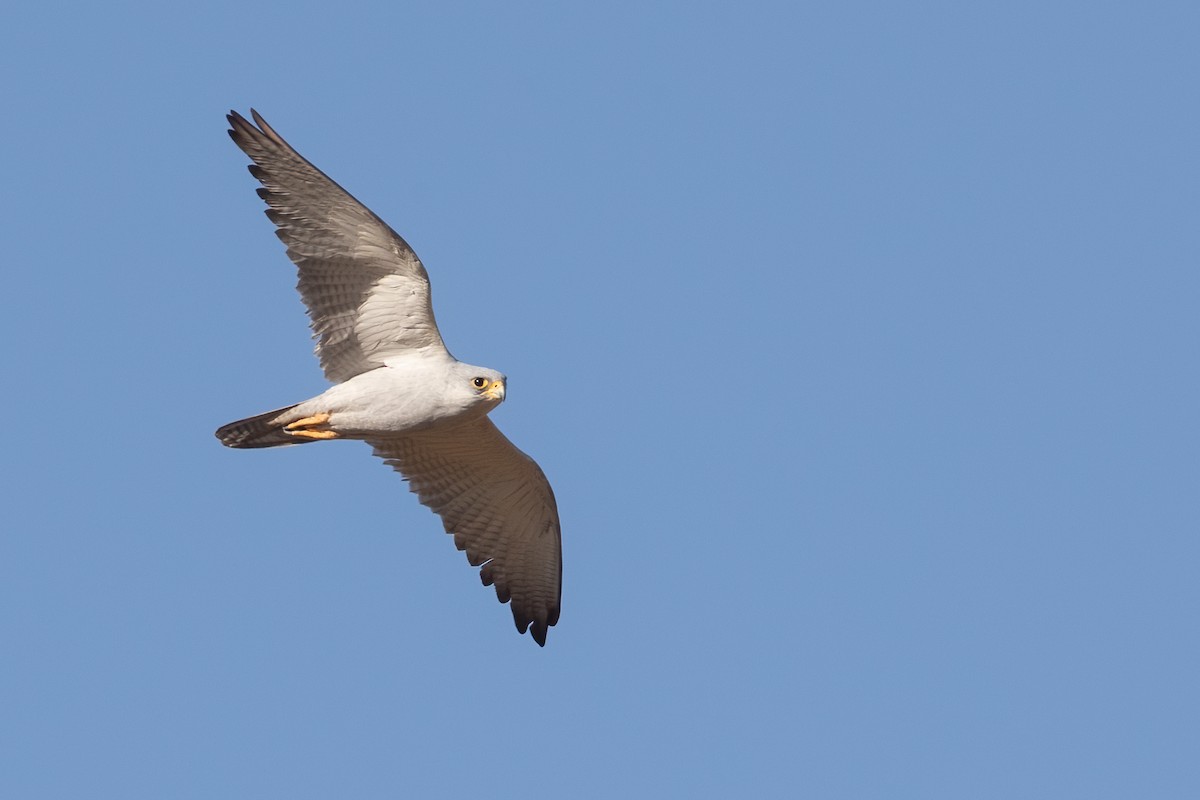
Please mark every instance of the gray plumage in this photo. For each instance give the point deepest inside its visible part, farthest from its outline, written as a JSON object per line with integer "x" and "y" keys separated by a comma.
{"x": 397, "y": 387}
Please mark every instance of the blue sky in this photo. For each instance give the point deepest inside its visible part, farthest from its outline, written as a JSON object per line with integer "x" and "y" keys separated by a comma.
{"x": 859, "y": 342}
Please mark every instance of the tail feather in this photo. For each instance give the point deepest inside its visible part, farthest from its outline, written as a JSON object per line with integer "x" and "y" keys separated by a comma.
{"x": 259, "y": 431}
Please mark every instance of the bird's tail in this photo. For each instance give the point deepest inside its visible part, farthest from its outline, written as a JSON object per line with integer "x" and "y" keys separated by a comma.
{"x": 259, "y": 431}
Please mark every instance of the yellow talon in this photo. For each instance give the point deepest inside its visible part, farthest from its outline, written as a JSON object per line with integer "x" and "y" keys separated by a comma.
{"x": 314, "y": 427}
{"x": 319, "y": 419}
{"x": 310, "y": 434}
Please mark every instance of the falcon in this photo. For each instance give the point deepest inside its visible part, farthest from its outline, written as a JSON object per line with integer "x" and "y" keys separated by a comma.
{"x": 397, "y": 387}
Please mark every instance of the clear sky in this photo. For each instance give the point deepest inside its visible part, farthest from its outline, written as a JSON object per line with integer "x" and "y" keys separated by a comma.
{"x": 858, "y": 340}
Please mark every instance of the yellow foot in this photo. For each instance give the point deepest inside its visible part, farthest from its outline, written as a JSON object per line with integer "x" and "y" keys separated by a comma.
{"x": 314, "y": 427}
{"x": 319, "y": 419}
{"x": 308, "y": 434}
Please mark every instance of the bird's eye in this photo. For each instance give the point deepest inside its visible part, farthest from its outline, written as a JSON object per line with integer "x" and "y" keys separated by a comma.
{"x": 479, "y": 383}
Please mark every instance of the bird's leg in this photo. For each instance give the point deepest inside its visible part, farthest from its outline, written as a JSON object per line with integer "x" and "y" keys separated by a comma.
{"x": 319, "y": 419}
{"x": 313, "y": 427}
{"x": 307, "y": 434}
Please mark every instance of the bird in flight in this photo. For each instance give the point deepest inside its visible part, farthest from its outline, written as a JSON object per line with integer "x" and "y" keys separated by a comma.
{"x": 397, "y": 387}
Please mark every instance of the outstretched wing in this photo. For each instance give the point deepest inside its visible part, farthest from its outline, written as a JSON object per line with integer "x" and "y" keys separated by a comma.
{"x": 499, "y": 506}
{"x": 367, "y": 292}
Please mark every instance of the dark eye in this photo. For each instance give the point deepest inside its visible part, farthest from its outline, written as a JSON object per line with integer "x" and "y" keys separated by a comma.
{"x": 479, "y": 383}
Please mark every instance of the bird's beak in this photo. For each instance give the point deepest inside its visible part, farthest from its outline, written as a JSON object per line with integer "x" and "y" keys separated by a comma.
{"x": 495, "y": 391}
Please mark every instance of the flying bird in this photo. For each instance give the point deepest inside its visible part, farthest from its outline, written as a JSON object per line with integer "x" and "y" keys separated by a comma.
{"x": 397, "y": 387}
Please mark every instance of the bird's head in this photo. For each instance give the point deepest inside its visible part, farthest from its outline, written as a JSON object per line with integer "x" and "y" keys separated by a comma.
{"x": 480, "y": 386}
{"x": 490, "y": 387}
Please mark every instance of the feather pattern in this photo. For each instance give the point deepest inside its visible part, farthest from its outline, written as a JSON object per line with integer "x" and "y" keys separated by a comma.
{"x": 367, "y": 293}
{"x": 498, "y": 505}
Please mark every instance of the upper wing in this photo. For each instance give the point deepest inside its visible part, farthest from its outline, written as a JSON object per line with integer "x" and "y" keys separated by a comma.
{"x": 367, "y": 292}
{"x": 499, "y": 506}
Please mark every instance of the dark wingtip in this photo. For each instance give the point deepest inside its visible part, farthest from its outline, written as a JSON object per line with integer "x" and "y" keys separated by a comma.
{"x": 537, "y": 628}
{"x": 236, "y": 122}
{"x": 242, "y": 130}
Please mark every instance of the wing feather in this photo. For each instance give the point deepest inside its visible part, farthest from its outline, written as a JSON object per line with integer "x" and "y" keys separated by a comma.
{"x": 367, "y": 293}
{"x": 498, "y": 505}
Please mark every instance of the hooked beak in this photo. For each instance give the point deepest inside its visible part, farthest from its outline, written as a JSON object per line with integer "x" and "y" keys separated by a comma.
{"x": 495, "y": 391}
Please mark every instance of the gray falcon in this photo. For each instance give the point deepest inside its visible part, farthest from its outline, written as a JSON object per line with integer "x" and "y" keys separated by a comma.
{"x": 397, "y": 387}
